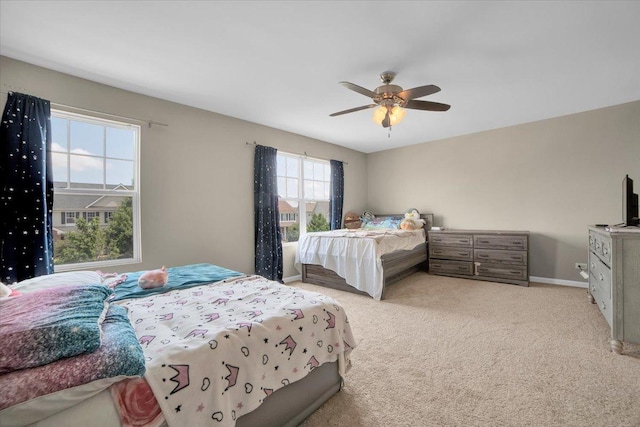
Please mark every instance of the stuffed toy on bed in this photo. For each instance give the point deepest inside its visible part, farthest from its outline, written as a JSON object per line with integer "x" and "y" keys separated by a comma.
{"x": 6, "y": 291}
{"x": 412, "y": 220}
{"x": 154, "y": 278}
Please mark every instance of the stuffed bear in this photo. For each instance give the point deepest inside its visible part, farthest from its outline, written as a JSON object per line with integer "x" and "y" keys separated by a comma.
{"x": 412, "y": 220}
{"x": 352, "y": 220}
{"x": 154, "y": 278}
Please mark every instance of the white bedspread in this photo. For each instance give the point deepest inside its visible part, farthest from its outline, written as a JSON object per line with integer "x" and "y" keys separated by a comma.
{"x": 216, "y": 352}
{"x": 355, "y": 255}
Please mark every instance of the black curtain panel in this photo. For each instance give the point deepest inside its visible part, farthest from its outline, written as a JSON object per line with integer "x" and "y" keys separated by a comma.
{"x": 26, "y": 197}
{"x": 268, "y": 237}
{"x": 336, "y": 194}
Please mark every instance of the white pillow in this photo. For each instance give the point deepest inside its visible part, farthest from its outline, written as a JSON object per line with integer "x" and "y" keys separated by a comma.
{"x": 57, "y": 279}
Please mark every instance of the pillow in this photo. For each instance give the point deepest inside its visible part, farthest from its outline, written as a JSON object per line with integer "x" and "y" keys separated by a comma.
{"x": 43, "y": 326}
{"x": 382, "y": 223}
{"x": 57, "y": 279}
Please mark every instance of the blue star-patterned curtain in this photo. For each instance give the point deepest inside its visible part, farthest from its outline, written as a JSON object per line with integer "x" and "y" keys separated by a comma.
{"x": 26, "y": 197}
{"x": 268, "y": 262}
{"x": 336, "y": 194}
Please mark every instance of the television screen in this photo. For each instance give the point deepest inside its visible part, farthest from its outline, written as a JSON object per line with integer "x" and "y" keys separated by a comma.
{"x": 629, "y": 203}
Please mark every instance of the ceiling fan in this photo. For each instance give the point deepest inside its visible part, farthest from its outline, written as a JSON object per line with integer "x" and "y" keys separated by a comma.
{"x": 392, "y": 99}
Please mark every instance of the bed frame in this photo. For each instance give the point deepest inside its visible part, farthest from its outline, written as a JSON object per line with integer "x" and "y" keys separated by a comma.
{"x": 287, "y": 406}
{"x": 395, "y": 265}
{"x": 292, "y": 404}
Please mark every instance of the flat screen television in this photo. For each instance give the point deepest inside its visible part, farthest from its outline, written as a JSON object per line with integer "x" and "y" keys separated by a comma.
{"x": 629, "y": 203}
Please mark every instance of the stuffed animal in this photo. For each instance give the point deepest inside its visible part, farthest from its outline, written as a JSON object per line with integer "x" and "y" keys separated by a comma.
{"x": 352, "y": 220}
{"x": 6, "y": 291}
{"x": 154, "y": 278}
{"x": 412, "y": 220}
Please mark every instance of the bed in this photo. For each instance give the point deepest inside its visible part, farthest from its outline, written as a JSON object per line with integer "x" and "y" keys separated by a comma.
{"x": 363, "y": 261}
{"x": 213, "y": 346}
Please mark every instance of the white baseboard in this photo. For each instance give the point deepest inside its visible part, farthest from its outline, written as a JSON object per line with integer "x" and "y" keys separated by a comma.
{"x": 535, "y": 279}
{"x": 560, "y": 282}
{"x": 292, "y": 278}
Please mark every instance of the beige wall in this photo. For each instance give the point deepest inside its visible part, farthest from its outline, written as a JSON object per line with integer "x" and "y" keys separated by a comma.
{"x": 196, "y": 174}
{"x": 551, "y": 177}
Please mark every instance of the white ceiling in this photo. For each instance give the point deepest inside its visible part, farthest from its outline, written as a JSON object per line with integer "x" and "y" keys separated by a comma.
{"x": 278, "y": 63}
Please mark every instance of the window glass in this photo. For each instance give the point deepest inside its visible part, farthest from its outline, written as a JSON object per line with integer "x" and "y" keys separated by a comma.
{"x": 303, "y": 189}
{"x": 95, "y": 208}
{"x": 86, "y": 138}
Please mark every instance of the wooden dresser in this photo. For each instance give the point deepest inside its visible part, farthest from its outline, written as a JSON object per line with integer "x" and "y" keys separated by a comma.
{"x": 614, "y": 281}
{"x": 496, "y": 256}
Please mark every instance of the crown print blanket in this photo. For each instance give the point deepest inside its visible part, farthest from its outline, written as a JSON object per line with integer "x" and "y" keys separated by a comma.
{"x": 216, "y": 352}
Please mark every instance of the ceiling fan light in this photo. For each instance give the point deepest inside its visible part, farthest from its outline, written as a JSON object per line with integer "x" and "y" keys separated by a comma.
{"x": 397, "y": 114}
{"x": 379, "y": 114}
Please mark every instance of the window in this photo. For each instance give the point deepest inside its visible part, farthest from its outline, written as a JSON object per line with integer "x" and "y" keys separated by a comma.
{"x": 95, "y": 174}
{"x": 90, "y": 215}
{"x": 69, "y": 217}
{"x": 287, "y": 217}
{"x": 303, "y": 195}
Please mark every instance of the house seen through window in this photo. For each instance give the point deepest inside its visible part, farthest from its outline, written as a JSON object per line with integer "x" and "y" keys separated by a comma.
{"x": 96, "y": 193}
{"x": 303, "y": 195}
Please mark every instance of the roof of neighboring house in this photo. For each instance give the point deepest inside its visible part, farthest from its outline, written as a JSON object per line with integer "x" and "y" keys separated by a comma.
{"x": 64, "y": 202}
{"x": 285, "y": 207}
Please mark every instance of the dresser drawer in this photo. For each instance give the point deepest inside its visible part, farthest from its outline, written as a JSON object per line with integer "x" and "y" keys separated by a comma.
{"x": 451, "y": 267}
{"x": 451, "y": 239}
{"x": 449, "y": 252}
{"x": 513, "y": 272}
{"x": 600, "y": 285}
{"x": 501, "y": 257}
{"x": 601, "y": 246}
{"x": 500, "y": 242}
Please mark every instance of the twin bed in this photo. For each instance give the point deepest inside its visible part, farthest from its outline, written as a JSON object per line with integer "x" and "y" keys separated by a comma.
{"x": 364, "y": 260}
{"x": 212, "y": 347}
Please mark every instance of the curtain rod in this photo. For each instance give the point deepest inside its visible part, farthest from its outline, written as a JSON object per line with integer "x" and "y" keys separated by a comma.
{"x": 148, "y": 122}
{"x": 297, "y": 154}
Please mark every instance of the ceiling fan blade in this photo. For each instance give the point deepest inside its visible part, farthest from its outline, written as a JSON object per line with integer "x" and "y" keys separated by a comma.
{"x": 351, "y": 110}
{"x": 359, "y": 89}
{"x": 419, "y": 92}
{"x": 427, "y": 105}
{"x": 387, "y": 120}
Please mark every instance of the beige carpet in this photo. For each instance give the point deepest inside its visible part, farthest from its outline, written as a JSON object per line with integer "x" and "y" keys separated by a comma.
{"x": 440, "y": 351}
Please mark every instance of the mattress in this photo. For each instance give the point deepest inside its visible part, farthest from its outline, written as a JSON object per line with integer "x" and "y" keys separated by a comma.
{"x": 355, "y": 255}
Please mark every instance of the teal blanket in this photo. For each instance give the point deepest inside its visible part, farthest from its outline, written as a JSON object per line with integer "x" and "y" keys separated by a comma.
{"x": 182, "y": 277}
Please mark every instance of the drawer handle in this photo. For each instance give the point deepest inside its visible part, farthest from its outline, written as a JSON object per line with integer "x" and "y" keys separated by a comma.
{"x": 514, "y": 272}
{"x": 593, "y": 266}
{"x": 436, "y": 265}
{"x": 463, "y": 253}
{"x": 597, "y": 245}
{"x": 516, "y": 243}
{"x": 462, "y": 268}
{"x": 483, "y": 241}
{"x": 515, "y": 257}
{"x": 605, "y": 250}
{"x": 463, "y": 241}
{"x": 601, "y": 277}
{"x": 604, "y": 306}
{"x": 483, "y": 256}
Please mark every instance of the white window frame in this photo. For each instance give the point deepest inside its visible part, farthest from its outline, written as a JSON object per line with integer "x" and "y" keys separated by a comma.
{"x": 134, "y": 194}
{"x": 302, "y": 201}
{"x": 68, "y": 215}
